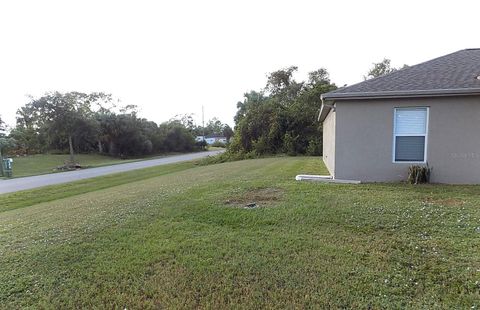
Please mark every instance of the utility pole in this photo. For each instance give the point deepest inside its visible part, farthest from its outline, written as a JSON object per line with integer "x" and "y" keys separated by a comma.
{"x": 203, "y": 124}
{"x": 2, "y": 173}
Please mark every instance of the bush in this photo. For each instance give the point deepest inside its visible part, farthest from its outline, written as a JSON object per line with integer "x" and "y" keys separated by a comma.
{"x": 218, "y": 144}
{"x": 289, "y": 144}
{"x": 147, "y": 147}
{"x": 418, "y": 174}
{"x": 227, "y": 157}
{"x": 261, "y": 146}
{"x": 201, "y": 145}
{"x": 314, "y": 148}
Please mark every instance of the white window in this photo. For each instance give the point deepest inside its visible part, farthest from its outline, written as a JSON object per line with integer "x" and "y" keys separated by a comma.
{"x": 410, "y": 128}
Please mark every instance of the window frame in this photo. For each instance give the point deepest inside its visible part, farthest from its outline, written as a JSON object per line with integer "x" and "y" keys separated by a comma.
{"x": 395, "y": 135}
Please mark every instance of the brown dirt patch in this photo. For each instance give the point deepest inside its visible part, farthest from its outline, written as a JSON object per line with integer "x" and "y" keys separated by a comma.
{"x": 449, "y": 202}
{"x": 261, "y": 197}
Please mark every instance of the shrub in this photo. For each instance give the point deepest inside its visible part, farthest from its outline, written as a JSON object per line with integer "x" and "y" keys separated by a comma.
{"x": 201, "y": 145}
{"x": 418, "y": 174}
{"x": 218, "y": 144}
{"x": 314, "y": 148}
{"x": 227, "y": 156}
{"x": 147, "y": 146}
{"x": 288, "y": 144}
{"x": 261, "y": 146}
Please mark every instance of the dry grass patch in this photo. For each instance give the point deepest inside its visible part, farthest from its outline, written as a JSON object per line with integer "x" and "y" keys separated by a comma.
{"x": 257, "y": 197}
{"x": 448, "y": 202}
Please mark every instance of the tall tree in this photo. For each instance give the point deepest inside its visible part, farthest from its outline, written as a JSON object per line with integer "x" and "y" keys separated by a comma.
{"x": 5, "y": 143}
{"x": 381, "y": 68}
{"x": 285, "y": 119}
{"x": 2, "y": 127}
{"x": 214, "y": 126}
{"x": 186, "y": 120}
{"x": 280, "y": 80}
{"x": 282, "y": 86}
{"x": 227, "y": 131}
{"x": 63, "y": 116}
{"x": 250, "y": 99}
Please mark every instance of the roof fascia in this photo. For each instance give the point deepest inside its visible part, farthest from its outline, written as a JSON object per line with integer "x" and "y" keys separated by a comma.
{"x": 325, "y": 109}
{"x": 402, "y": 94}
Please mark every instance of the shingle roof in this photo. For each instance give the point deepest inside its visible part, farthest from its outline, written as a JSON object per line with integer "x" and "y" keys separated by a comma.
{"x": 453, "y": 74}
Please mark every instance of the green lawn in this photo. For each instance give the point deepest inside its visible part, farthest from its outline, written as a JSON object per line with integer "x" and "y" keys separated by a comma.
{"x": 215, "y": 148}
{"x": 177, "y": 236}
{"x": 46, "y": 163}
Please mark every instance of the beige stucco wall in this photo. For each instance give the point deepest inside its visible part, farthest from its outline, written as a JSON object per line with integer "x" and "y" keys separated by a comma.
{"x": 329, "y": 142}
{"x": 364, "y": 139}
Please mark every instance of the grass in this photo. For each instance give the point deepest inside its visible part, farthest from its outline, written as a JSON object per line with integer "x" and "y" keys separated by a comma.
{"x": 179, "y": 237}
{"x": 49, "y": 193}
{"x": 215, "y": 148}
{"x": 46, "y": 163}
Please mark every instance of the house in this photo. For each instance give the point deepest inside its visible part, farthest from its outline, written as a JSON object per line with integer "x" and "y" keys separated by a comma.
{"x": 427, "y": 114}
{"x": 214, "y": 138}
{"x": 211, "y": 139}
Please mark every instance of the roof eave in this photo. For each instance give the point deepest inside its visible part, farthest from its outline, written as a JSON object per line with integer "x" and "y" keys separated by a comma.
{"x": 401, "y": 94}
{"x": 324, "y": 110}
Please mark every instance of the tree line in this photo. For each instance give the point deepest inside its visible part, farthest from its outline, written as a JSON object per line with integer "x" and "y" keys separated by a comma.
{"x": 282, "y": 117}
{"x": 91, "y": 122}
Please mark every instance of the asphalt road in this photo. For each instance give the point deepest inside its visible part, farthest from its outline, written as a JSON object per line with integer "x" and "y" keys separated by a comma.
{"x": 19, "y": 184}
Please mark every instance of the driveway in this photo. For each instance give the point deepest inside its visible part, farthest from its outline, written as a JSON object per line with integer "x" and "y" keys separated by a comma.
{"x": 15, "y": 185}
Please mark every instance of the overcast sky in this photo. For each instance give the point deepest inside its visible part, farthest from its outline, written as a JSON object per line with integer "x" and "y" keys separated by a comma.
{"x": 172, "y": 57}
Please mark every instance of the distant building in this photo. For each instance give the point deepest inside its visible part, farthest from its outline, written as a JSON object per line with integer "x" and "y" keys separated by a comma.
{"x": 211, "y": 139}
